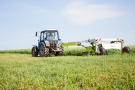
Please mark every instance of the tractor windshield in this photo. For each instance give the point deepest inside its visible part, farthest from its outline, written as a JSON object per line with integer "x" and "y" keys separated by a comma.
{"x": 53, "y": 35}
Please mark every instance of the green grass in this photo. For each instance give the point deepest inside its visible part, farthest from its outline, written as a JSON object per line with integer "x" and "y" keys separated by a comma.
{"x": 71, "y": 72}
{"x": 67, "y": 51}
{"x": 18, "y": 51}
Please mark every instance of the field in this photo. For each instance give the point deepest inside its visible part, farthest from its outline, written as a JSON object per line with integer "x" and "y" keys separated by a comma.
{"x": 20, "y": 71}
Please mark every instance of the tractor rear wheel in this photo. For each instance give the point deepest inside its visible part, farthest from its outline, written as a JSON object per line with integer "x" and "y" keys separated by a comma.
{"x": 126, "y": 50}
{"x": 34, "y": 51}
{"x": 102, "y": 51}
{"x": 43, "y": 50}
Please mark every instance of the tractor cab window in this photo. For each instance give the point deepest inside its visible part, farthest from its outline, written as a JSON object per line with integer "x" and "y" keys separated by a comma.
{"x": 52, "y": 36}
{"x": 42, "y": 38}
{"x": 43, "y": 35}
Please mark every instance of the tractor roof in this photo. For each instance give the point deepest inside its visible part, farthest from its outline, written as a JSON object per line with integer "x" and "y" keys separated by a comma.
{"x": 50, "y": 30}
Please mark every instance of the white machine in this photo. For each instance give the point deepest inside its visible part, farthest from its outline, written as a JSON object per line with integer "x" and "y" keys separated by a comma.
{"x": 100, "y": 45}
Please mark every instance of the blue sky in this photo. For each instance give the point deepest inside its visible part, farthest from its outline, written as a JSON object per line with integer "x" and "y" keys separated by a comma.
{"x": 75, "y": 19}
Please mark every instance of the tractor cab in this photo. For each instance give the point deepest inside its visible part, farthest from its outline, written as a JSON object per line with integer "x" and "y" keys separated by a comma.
{"x": 48, "y": 35}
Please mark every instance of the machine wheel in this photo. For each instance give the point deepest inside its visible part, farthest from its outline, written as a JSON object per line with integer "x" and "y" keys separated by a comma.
{"x": 34, "y": 51}
{"x": 43, "y": 50}
{"x": 102, "y": 51}
{"x": 126, "y": 50}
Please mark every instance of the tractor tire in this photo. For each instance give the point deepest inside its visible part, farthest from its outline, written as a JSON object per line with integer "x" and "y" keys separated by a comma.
{"x": 34, "y": 51}
{"x": 102, "y": 51}
{"x": 43, "y": 50}
{"x": 126, "y": 50}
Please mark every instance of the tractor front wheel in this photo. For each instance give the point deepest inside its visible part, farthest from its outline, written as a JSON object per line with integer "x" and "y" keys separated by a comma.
{"x": 43, "y": 50}
{"x": 34, "y": 51}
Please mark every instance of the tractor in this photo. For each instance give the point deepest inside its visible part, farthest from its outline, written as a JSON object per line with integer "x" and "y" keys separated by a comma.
{"x": 49, "y": 44}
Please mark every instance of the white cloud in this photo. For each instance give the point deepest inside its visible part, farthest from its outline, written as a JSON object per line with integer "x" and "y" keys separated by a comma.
{"x": 79, "y": 12}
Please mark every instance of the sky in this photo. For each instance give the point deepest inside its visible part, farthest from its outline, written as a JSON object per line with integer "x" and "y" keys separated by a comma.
{"x": 76, "y": 20}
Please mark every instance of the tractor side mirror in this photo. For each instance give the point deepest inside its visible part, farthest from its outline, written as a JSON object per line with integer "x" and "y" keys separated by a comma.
{"x": 36, "y": 34}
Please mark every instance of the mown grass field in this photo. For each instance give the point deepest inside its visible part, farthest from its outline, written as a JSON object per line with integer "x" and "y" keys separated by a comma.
{"x": 20, "y": 71}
